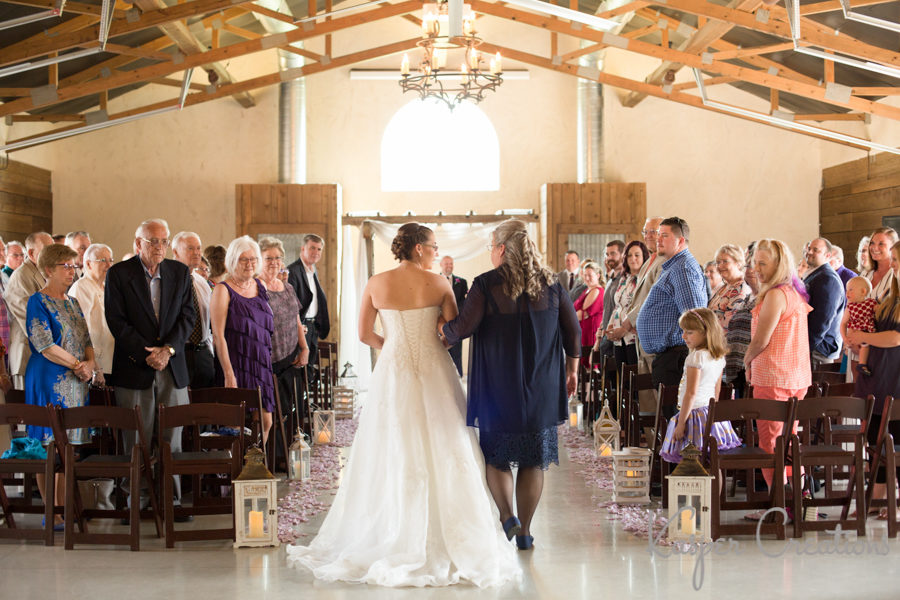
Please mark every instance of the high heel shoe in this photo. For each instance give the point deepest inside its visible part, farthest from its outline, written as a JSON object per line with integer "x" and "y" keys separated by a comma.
{"x": 511, "y": 527}
{"x": 525, "y": 542}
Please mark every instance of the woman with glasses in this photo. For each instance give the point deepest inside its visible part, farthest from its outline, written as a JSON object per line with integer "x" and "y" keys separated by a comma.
{"x": 89, "y": 292}
{"x": 62, "y": 356}
{"x": 242, "y": 325}
{"x": 734, "y": 290}
{"x": 289, "y": 349}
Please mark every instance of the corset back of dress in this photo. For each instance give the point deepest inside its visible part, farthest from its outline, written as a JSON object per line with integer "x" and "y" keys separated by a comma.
{"x": 410, "y": 337}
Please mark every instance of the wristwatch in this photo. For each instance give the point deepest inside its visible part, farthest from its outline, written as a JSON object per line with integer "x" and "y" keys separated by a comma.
{"x": 171, "y": 350}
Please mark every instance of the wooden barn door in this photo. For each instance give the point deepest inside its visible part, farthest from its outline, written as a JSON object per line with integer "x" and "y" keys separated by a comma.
{"x": 290, "y": 211}
{"x": 590, "y": 214}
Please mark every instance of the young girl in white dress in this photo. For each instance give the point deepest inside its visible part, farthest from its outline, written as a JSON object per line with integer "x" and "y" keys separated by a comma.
{"x": 700, "y": 384}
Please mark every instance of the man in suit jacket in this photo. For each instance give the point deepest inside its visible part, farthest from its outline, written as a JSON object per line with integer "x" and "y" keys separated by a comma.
{"x": 836, "y": 260}
{"x": 150, "y": 314}
{"x": 460, "y": 289}
{"x": 198, "y": 351}
{"x": 827, "y": 297}
{"x": 615, "y": 265}
{"x": 570, "y": 277}
{"x": 304, "y": 278}
{"x": 25, "y": 281}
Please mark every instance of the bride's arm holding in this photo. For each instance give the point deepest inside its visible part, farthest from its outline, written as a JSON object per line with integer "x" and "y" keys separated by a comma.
{"x": 367, "y": 314}
{"x": 469, "y": 319}
{"x": 449, "y": 310}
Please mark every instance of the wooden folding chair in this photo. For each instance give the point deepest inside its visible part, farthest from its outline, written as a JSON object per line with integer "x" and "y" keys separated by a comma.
{"x": 667, "y": 398}
{"x": 639, "y": 419}
{"x": 605, "y": 380}
{"x": 884, "y": 455}
{"x": 824, "y": 377}
{"x": 250, "y": 398}
{"x": 747, "y": 459}
{"x": 26, "y": 414}
{"x": 829, "y": 454}
{"x": 134, "y": 466}
{"x": 199, "y": 462}
{"x": 14, "y": 396}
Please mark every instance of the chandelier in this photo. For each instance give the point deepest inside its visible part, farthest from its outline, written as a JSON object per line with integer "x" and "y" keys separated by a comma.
{"x": 440, "y": 36}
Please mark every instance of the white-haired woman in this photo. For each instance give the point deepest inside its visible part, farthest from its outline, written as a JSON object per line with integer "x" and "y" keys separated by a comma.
{"x": 734, "y": 291}
{"x": 524, "y": 363}
{"x": 89, "y": 290}
{"x": 242, "y": 325}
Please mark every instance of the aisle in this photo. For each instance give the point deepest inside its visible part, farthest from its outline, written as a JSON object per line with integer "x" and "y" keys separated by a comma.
{"x": 579, "y": 553}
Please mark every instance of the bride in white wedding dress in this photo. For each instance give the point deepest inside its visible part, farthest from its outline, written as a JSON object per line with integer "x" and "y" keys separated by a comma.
{"x": 412, "y": 508}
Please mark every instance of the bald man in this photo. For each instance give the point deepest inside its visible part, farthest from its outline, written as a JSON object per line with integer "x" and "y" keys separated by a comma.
{"x": 25, "y": 281}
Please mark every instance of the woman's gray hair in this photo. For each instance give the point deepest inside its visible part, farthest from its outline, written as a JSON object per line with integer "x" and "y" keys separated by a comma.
{"x": 735, "y": 253}
{"x": 522, "y": 269}
{"x": 236, "y": 248}
{"x": 267, "y": 243}
{"x": 94, "y": 249}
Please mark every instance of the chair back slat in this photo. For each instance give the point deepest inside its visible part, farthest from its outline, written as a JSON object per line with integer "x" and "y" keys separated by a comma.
{"x": 839, "y": 389}
{"x": 188, "y": 415}
{"x": 25, "y": 414}
{"x": 111, "y": 417}
{"x": 824, "y": 377}
{"x": 15, "y": 397}
{"x": 845, "y": 407}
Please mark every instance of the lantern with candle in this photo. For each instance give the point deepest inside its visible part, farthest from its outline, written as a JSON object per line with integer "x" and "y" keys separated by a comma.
{"x": 631, "y": 473}
{"x": 576, "y": 412}
{"x": 348, "y": 377}
{"x": 255, "y": 503}
{"x": 690, "y": 495}
{"x": 606, "y": 432}
{"x": 323, "y": 426}
{"x": 344, "y": 402}
{"x": 299, "y": 458}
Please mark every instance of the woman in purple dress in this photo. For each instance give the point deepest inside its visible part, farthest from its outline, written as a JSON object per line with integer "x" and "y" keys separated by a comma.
{"x": 242, "y": 325}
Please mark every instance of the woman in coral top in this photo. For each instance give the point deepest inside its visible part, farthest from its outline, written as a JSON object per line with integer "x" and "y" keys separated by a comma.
{"x": 777, "y": 359}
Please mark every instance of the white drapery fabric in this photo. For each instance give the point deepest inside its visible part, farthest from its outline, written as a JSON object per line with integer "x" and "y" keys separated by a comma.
{"x": 462, "y": 241}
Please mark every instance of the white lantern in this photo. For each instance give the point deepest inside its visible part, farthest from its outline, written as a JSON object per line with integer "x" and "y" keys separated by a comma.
{"x": 690, "y": 494}
{"x": 606, "y": 433}
{"x": 299, "y": 458}
{"x": 255, "y": 504}
{"x": 344, "y": 402}
{"x": 576, "y": 412}
{"x": 323, "y": 426}
{"x": 347, "y": 377}
{"x": 631, "y": 474}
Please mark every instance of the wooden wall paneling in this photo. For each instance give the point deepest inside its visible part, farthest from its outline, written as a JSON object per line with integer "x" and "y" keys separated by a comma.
{"x": 26, "y": 201}
{"x": 856, "y": 195}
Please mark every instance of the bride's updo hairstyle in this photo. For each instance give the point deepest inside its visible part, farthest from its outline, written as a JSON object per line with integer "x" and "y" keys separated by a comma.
{"x": 522, "y": 269}
{"x": 407, "y": 238}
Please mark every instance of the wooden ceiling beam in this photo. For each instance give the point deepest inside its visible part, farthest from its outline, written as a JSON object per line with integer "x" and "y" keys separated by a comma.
{"x": 224, "y": 53}
{"x": 762, "y": 78}
{"x": 112, "y": 64}
{"x": 813, "y": 33}
{"x": 255, "y": 83}
{"x": 177, "y": 83}
{"x": 622, "y": 10}
{"x": 753, "y": 51}
{"x": 698, "y": 43}
{"x": 75, "y": 8}
{"x": 138, "y": 52}
{"x": 54, "y": 118}
{"x": 44, "y": 44}
{"x": 302, "y": 52}
{"x": 630, "y": 85}
{"x": 832, "y": 117}
{"x": 689, "y": 85}
{"x": 816, "y": 8}
{"x": 581, "y": 52}
{"x": 876, "y": 91}
{"x": 188, "y": 44}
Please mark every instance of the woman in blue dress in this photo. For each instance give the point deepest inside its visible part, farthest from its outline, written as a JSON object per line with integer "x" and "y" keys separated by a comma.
{"x": 523, "y": 364}
{"x": 62, "y": 358}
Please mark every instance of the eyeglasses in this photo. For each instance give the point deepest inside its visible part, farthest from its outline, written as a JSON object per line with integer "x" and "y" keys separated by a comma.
{"x": 17, "y": 254}
{"x": 100, "y": 260}
{"x": 273, "y": 258}
{"x": 432, "y": 246}
{"x": 649, "y": 231}
{"x": 248, "y": 261}
{"x": 66, "y": 266}
{"x": 204, "y": 270}
{"x": 155, "y": 242}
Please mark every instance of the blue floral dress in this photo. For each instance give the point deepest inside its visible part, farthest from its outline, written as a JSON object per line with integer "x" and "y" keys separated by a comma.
{"x": 55, "y": 321}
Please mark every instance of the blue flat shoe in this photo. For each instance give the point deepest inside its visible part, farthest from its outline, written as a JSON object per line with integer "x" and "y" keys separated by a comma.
{"x": 56, "y": 526}
{"x": 525, "y": 542}
{"x": 511, "y": 527}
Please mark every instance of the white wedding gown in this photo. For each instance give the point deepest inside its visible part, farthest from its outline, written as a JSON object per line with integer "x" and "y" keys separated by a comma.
{"x": 412, "y": 508}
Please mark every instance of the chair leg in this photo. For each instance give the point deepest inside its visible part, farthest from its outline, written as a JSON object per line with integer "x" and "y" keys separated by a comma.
{"x": 168, "y": 502}
{"x": 797, "y": 483}
{"x": 154, "y": 500}
{"x": 856, "y": 475}
{"x": 4, "y": 505}
{"x": 891, "y": 485}
{"x": 135, "y": 477}
{"x": 778, "y": 494}
{"x": 50, "y": 499}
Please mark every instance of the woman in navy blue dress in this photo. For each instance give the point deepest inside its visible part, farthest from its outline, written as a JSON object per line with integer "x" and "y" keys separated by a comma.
{"x": 523, "y": 364}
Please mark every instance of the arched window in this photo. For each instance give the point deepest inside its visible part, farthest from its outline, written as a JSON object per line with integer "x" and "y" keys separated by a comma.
{"x": 429, "y": 148}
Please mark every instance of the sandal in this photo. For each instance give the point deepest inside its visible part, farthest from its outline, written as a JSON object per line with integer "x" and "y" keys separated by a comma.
{"x": 754, "y": 516}
{"x": 882, "y": 515}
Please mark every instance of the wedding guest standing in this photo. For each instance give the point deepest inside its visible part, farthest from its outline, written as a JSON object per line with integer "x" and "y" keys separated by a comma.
{"x": 570, "y": 277}
{"x": 713, "y": 278}
{"x": 881, "y": 275}
{"x": 589, "y": 307}
{"x": 198, "y": 349}
{"x": 734, "y": 290}
{"x": 525, "y": 349}
{"x": 289, "y": 349}
{"x": 242, "y": 325}
{"x": 62, "y": 358}
{"x": 89, "y": 291}
{"x": 624, "y": 340}
{"x": 777, "y": 359}
{"x": 303, "y": 275}
{"x": 884, "y": 361}
{"x": 460, "y": 289}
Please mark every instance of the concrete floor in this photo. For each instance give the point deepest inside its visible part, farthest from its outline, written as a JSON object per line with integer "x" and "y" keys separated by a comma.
{"x": 579, "y": 553}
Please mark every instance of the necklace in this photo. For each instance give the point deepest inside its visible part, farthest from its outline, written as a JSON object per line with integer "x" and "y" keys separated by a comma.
{"x": 242, "y": 286}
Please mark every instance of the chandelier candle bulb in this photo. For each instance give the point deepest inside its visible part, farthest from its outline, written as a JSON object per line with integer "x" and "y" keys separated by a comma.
{"x": 499, "y": 60}
{"x": 404, "y": 65}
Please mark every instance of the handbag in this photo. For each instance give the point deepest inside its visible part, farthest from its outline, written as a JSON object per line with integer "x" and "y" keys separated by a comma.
{"x": 96, "y": 493}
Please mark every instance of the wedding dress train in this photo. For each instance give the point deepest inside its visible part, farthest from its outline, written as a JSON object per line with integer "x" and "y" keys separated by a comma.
{"x": 412, "y": 508}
